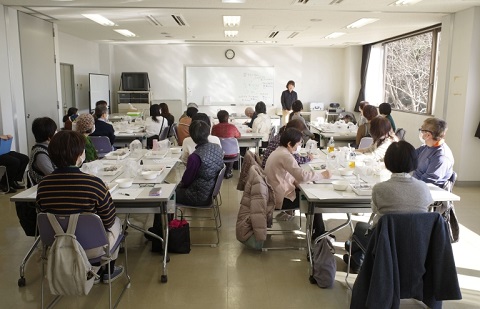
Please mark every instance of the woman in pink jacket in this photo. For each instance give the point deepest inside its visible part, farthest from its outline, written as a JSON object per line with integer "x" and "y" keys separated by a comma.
{"x": 283, "y": 172}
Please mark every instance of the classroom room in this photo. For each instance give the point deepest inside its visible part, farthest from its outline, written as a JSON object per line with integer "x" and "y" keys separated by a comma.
{"x": 198, "y": 63}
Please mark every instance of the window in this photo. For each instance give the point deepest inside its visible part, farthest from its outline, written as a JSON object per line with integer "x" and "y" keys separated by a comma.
{"x": 402, "y": 71}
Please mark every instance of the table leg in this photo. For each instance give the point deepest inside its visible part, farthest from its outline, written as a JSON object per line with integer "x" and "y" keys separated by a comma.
{"x": 164, "y": 277}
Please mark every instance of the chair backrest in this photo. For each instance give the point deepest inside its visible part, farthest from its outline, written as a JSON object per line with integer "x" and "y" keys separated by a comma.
{"x": 365, "y": 142}
{"x": 173, "y": 131}
{"x": 230, "y": 146}
{"x": 102, "y": 145}
{"x": 90, "y": 231}
{"x": 272, "y": 133}
{"x": 218, "y": 182}
{"x": 403, "y": 256}
{"x": 400, "y": 133}
{"x": 163, "y": 134}
{"x": 448, "y": 185}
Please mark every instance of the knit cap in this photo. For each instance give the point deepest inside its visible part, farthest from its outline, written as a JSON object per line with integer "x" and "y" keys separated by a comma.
{"x": 84, "y": 123}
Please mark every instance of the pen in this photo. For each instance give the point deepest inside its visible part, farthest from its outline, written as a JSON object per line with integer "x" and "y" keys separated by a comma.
{"x": 124, "y": 194}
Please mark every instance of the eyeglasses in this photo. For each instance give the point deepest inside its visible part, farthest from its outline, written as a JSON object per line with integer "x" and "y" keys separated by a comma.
{"x": 423, "y": 131}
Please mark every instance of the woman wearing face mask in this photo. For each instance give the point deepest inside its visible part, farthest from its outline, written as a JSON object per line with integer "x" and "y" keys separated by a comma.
{"x": 85, "y": 125}
{"x": 67, "y": 190}
{"x": 283, "y": 172}
{"x": 102, "y": 128}
{"x": 435, "y": 159}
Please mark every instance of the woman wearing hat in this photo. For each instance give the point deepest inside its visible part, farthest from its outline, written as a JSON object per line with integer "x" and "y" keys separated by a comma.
{"x": 85, "y": 124}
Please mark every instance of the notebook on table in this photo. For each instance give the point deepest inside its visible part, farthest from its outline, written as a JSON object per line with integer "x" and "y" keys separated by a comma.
{"x": 5, "y": 146}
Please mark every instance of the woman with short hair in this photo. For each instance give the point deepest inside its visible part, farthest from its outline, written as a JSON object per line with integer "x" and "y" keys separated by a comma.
{"x": 40, "y": 163}
{"x": 67, "y": 191}
{"x": 283, "y": 173}
{"x": 435, "y": 159}
{"x": 402, "y": 193}
{"x": 85, "y": 124}
{"x": 297, "y": 108}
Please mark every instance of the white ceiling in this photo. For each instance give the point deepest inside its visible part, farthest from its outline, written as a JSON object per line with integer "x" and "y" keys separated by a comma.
{"x": 204, "y": 20}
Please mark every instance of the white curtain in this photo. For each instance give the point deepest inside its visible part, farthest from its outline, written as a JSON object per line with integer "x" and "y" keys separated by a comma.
{"x": 374, "y": 87}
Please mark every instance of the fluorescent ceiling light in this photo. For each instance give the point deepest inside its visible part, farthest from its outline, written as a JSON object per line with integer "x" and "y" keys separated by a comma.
{"x": 233, "y": 1}
{"x": 99, "y": 19}
{"x": 405, "y": 2}
{"x": 362, "y": 22}
{"x": 231, "y": 21}
{"x": 230, "y": 34}
{"x": 334, "y": 35}
{"x": 126, "y": 33}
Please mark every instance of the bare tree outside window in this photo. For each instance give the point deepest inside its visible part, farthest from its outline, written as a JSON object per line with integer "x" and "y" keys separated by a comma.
{"x": 410, "y": 65}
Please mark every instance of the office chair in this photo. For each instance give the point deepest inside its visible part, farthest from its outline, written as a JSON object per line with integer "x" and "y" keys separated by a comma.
{"x": 214, "y": 207}
{"x": 102, "y": 145}
{"x": 365, "y": 142}
{"x": 91, "y": 234}
{"x": 231, "y": 149}
{"x": 408, "y": 256}
{"x": 163, "y": 135}
{"x": 5, "y": 146}
{"x": 400, "y": 133}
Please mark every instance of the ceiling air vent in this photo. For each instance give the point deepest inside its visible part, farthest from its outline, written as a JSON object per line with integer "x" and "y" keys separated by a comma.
{"x": 273, "y": 34}
{"x": 179, "y": 20}
{"x": 316, "y": 2}
{"x": 153, "y": 20}
{"x": 292, "y": 35}
{"x": 335, "y": 2}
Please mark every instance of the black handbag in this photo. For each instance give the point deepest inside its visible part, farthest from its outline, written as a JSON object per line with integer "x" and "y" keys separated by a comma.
{"x": 179, "y": 236}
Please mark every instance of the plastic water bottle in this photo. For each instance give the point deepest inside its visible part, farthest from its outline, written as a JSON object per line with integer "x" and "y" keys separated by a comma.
{"x": 331, "y": 145}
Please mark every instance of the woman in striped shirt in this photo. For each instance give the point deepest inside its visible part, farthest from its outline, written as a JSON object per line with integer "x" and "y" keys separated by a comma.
{"x": 67, "y": 190}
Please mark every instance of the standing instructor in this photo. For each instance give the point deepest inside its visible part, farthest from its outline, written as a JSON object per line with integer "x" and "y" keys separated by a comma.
{"x": 288, "y": 97}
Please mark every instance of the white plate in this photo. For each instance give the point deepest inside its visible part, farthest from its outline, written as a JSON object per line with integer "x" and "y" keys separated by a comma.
{"x": 117, "y": 154}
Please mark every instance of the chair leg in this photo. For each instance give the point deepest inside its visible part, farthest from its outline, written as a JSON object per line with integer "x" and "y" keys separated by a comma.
{"x": 22, "y": 281}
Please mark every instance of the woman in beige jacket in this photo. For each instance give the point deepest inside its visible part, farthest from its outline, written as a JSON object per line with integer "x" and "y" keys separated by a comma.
{"x": 283, "y": 173}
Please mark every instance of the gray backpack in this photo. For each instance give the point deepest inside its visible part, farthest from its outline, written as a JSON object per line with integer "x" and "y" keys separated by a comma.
{"x": 324, "y": 263}
{"x": 68, "y": 270}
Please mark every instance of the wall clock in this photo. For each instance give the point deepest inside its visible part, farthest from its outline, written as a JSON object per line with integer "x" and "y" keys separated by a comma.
{"x": 229, "y": 54}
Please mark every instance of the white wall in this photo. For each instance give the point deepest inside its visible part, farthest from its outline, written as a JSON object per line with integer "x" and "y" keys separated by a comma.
{"x": 85, "y": 57}
{"x": 318, "y": 73}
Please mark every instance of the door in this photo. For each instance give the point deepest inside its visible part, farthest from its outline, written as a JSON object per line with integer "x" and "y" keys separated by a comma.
{"x": 38, "y": 70}
{"x": 68, "y": 86}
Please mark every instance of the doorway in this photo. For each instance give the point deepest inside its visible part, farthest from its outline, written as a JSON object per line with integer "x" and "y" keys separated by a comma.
{"x": 67, "y": 82}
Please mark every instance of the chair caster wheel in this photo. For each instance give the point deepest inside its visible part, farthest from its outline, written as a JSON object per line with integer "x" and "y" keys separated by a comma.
{"x": 312, "y": 280}
{"x": 21, "y": 282}
{"x": 163, "y": 278}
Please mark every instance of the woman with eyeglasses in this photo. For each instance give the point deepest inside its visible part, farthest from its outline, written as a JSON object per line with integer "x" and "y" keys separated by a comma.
{"x": 435, "y": 159}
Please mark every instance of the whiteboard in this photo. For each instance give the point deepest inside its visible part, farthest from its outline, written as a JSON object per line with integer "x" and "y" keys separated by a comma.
{"x": 99, "y": 89}
{"x": 229, "y": 85}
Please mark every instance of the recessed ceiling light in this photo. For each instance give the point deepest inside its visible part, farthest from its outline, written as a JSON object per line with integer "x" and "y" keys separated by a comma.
{"x": 334, "y": 35}
{"x": 126, "y": 33}
{"x": 362, "y": 22}
{"x": 315, "y": 20}
{"x": 233, "y": 1}
{"x": 99, "y": 19}
{"x": 230, "y": 34}
{"x": 231, "y": 21}
{"x": 405, "y": 2}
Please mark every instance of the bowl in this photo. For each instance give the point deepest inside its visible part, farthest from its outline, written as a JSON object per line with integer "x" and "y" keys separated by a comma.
{"x": 129, "y": 131}
{"x": 124, "y": 182}
{"x": 340, "y": 185}
{"x": 175, "y": 150}
{"x": 150, "y": 174}
{"x": 346, "y": 171}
